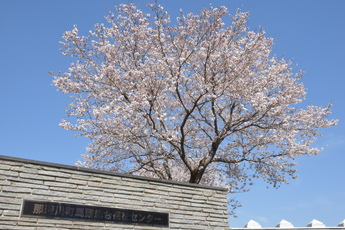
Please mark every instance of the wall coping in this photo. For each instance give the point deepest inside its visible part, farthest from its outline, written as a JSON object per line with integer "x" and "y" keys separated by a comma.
{"x": 89, "y": 170}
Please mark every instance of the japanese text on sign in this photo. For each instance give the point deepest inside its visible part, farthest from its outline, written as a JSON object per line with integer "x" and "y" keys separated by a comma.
{"x": 93, "y": 213}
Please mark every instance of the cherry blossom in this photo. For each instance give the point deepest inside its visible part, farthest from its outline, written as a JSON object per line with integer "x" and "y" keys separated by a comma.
{"x": 189, "y": 100}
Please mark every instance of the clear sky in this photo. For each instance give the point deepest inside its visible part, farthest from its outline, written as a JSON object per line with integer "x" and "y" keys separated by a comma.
{"x": 310, "y": 32}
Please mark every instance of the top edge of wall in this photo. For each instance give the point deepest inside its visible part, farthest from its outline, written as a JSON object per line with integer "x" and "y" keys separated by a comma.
{"x": 55, "y": 165}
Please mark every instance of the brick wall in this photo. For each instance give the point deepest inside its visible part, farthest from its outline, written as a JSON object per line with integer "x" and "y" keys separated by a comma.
{"x": 189, "y": 206}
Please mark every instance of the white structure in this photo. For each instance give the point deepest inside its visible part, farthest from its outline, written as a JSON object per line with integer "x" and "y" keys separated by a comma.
{"x": 252, "y": 224}
{"x": 316, "y": 224}
{"x": 284, "y": 224}
{"x": 342, "y": 224}
{"x": 287, "y": 225}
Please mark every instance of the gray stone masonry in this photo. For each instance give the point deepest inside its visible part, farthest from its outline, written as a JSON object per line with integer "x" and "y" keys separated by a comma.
{"x": 189, "y": 206}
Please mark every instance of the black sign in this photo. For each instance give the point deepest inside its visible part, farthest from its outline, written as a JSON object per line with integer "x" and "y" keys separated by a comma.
{"x": 93, "y": 213}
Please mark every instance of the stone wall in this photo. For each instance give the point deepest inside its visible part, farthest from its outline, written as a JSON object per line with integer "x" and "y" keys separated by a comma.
{"x": 189, "y": 206}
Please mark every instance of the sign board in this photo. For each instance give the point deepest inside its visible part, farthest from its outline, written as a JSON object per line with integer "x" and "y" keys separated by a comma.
{"x": 65, "y": 211}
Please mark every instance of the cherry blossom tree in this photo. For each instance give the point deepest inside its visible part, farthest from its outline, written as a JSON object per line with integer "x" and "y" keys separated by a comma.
{"x": 192, "y": 100}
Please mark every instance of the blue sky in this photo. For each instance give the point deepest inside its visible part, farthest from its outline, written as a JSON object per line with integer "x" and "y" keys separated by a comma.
{"x": 310, "y": 32}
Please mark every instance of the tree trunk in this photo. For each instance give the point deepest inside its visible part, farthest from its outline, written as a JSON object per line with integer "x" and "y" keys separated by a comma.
{"x": 196, "y": 175}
